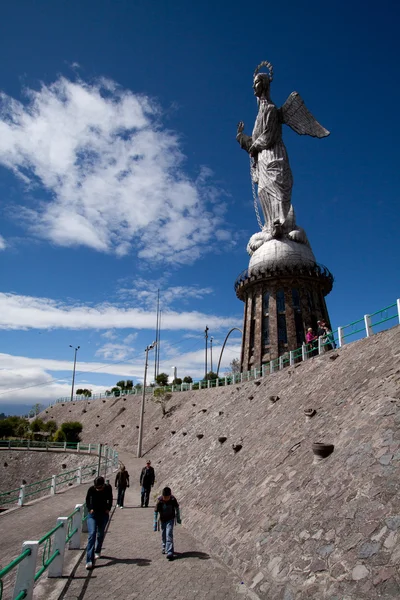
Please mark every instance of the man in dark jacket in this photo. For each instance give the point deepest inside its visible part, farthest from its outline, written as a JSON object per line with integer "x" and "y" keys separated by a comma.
{"x": 167, "y": 510}
{"x": 121, "y": 483}
{"x": 147, "y": 478}
{"x": 99, "y": 501}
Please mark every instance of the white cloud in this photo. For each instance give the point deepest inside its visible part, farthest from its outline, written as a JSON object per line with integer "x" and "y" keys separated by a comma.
{"x": 9, "y": 362}
{"x": 145, "y": 291}
{"x": 109, "y": 335}
{"x": 3, "y": 244}
{"x": 27, "y": 380}
{"x": 115, "y": 352}
{"x": 113, "y": 176}
{"x": 131, "y": 337}
{"x": 34, "y": 384}
{"x": 24, "y": 312}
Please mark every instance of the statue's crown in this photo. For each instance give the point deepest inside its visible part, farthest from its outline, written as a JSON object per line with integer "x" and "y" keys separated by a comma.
{"x": 270, "y": 68}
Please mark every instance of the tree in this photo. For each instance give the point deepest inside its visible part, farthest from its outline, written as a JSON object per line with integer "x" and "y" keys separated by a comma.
{"x": 21, "y": 429}
{"x": 211, "y": 376}
{"x": 71, "y": 430}
{"x": 51, "y": 427}
{"x": 84, "y": 392}
{"x": 177, "y": 381}
{"x": 13, "y": 427}
{"x": 36, "y": 409}
{"x": 129, "y": 384}
{"x": 116, "y": 391}
{"x": 60, "y": 436}
{"x": 6, "y": 429}
{"x": 121, "y": 384}
{"x": 162, "y": 398}
{"x": 187, "y": 379}
{"x": 235, "y": 366}
{"x": 162, "y": 379}
{"x": 138, "y": 386}
{"x": 37, "y": 425}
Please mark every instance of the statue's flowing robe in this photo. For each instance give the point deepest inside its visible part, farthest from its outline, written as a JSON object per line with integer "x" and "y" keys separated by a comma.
{"x": 273, "y": 172}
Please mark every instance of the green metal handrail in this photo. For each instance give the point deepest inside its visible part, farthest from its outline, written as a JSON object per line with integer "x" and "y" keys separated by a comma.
{"x": 382, "y": 309}
{"x": 384, "y": 321}
{"x": 14, "y": 563}
{"x": 47, "y": 487}
{"x": 50, "y": 533}
{"x": 69, "y": 536}
{"x": 37, "y": 482}
{"x": 47, "y": 557}
{"x": 45, "y": 565}
{"x": 9, "y": 492}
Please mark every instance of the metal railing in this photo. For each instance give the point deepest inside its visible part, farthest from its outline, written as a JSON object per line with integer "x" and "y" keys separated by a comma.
{"x": 365, "y": 327}
{"x": 108, "y": 461}
{"x": 62, "y": 446}
{"x": 67, "y": 533}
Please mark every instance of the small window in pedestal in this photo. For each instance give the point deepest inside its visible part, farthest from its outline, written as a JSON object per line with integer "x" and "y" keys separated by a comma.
{"x": 252, "y": 324}
{"x": 298, "y": 319}
{"x": 282, "y": 330}
{"x": 265, "y": 322}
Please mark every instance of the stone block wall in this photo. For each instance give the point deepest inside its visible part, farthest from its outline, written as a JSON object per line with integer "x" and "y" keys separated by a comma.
{"x": 292, "y": 528}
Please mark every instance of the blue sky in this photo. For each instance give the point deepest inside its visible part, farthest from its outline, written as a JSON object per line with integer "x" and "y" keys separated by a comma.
{"x": 120, "y": 174}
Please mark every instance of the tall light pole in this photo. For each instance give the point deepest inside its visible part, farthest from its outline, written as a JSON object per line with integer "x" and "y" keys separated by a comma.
{"x": 205, "y": 368}
{"x": 139, "y": 448}
{"x": 73, "y": 372}
{"x": 211, "y": 341}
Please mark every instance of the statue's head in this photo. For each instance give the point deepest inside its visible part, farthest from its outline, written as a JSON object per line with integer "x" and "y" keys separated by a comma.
{"x": 262, "y": 81}
{"x": 261, "y": 85}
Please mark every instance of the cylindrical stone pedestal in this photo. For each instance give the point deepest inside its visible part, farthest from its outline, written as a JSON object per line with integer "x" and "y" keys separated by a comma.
{"x": 282, "y": 300}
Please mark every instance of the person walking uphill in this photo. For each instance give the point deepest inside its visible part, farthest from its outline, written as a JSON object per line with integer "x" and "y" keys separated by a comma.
{"x": 99, "y": 501}
{"x": 167, "y": 509}
{"x": 147, "y": 478}
{"x": 121, "y": 483}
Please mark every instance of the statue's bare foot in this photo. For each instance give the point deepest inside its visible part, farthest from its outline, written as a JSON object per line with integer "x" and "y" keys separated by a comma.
{"x": 298, "y": 235}
{"x": 257, "y": 240}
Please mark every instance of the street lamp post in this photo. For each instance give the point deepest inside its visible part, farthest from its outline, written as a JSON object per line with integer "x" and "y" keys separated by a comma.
{"x": 73, "y": 372}
{"x": 211, "y": 341}
{"x": 139, "y": 448}
{"x": 205, "y": 369}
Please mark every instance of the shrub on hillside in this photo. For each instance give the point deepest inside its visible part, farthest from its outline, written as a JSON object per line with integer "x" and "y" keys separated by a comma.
{"x": 37, "y": 425}
{"x": 71, "y": 430}
{"x": 59, "y": 436}
{"x": 13, "y": 427}
{"x": 162, "y": 398}
{"x": 51, "y": 427}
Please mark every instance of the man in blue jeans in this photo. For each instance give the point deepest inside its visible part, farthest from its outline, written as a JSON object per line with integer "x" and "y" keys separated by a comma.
{"x": 99, "y": 501}
{"x": 167, "y": 508}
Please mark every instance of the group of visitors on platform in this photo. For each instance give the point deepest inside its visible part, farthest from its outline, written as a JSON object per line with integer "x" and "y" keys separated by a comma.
{"x": 323, "y": 332}
{"x": 99, "y": 501}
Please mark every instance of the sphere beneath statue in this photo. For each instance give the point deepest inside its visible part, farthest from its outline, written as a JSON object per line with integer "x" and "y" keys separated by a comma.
{"x": 278, "y": 254}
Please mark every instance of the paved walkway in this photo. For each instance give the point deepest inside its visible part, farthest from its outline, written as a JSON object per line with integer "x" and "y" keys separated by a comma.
{"x": 131, "y": 566}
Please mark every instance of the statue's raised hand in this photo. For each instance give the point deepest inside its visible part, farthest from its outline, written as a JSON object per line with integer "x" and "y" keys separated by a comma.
{"x": 240, "y": 127}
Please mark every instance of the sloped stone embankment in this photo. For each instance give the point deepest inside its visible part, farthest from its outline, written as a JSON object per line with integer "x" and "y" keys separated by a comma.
{"x": 292, "y": 527}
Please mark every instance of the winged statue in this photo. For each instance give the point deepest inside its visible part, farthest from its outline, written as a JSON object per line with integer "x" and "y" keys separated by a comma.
{"x": 270, "y": 163}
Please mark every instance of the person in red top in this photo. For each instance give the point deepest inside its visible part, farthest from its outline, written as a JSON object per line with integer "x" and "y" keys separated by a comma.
{"x": 311, "y": 340}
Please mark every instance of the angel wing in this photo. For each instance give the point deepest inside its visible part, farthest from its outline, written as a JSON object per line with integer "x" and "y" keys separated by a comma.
{"x": 295, "y": 114}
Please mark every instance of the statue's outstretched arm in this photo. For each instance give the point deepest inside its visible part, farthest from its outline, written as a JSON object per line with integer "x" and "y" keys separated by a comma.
{"x": 244, "y": 140}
